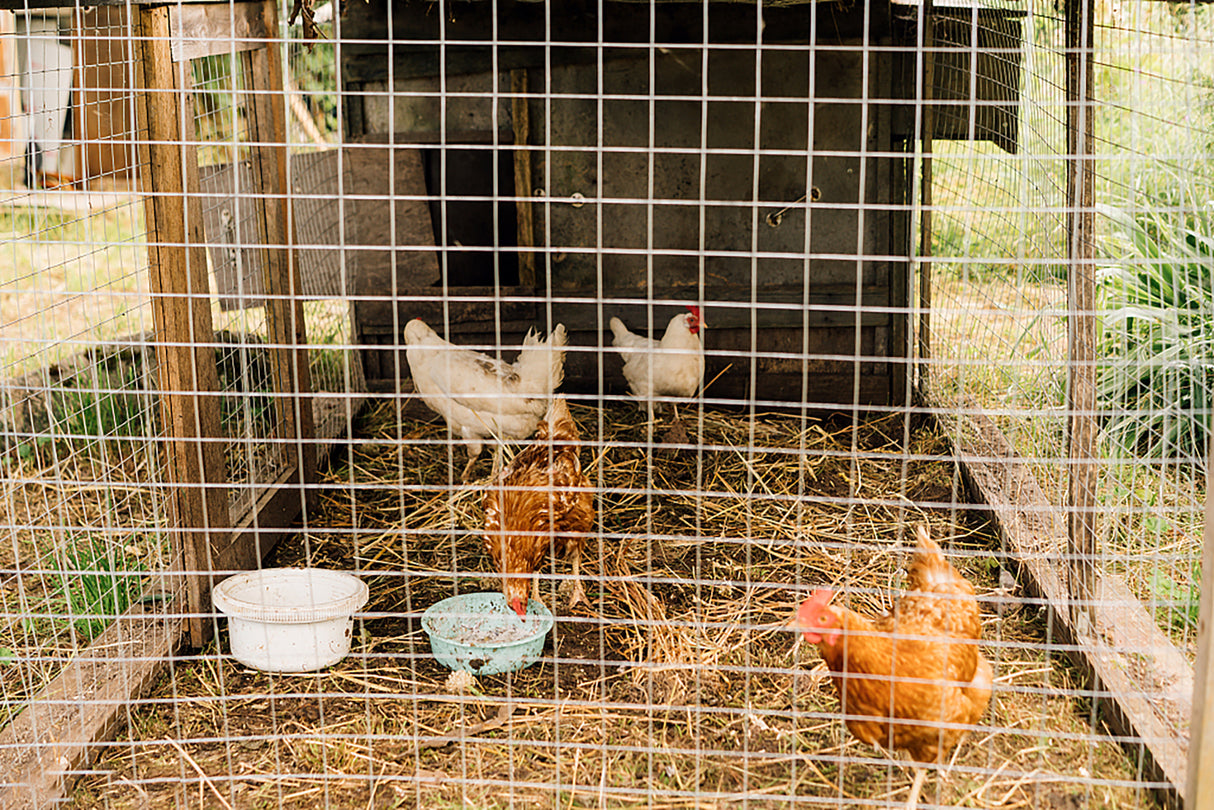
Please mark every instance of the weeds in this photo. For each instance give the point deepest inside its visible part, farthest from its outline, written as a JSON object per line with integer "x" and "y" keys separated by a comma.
{"x": 1178, "y": 602}
{"x": 1157, "y": 342}
{"x": 98, "y": 584}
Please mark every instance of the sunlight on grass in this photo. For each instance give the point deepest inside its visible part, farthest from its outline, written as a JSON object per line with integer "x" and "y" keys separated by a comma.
{"x": 68, "y": 281}
{"x": 999, "y": 270}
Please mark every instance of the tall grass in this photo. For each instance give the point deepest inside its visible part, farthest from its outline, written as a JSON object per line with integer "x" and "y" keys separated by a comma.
{"x": 98, "y": 584}
{"x": 1157, "y": 342}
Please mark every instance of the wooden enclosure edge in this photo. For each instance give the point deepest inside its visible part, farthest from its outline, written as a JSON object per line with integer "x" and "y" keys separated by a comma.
{"x": 211, "y": 537}
{"x": 1035, "y": 534}
{"x": 177, "y": 270}
{"x": 1201, "y": 730}
{"x": 52, "y": 741}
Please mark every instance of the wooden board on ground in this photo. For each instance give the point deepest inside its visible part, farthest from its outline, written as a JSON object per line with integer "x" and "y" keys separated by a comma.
{"x": 1142, "y": 683}
{"x": 52, "y": 741}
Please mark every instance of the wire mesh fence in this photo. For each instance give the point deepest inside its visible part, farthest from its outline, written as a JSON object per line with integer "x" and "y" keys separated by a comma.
{"x": 313, "y": 287}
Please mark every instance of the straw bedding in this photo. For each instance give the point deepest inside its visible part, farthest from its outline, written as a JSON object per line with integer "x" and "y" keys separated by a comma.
{"x": 675, "y": 688}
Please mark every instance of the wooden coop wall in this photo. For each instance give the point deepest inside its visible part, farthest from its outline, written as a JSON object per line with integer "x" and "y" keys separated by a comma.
{"x": 859, "y": 216}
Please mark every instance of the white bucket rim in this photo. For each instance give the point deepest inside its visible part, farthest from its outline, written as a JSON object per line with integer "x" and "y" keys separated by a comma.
{"x": 353, "y": 594}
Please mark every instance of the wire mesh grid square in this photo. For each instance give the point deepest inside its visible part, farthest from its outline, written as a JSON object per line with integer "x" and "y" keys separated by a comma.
{"x": 914, "y": 283}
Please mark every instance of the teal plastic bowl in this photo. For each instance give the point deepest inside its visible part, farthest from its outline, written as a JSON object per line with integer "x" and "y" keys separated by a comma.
{"x": 481, "y": 634}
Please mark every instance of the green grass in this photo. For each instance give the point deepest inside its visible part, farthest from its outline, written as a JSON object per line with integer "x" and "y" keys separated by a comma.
{"x": 1000, "y": 297}
{"x": 66, "y": 279}
{"x": 1179, "y": 599}
{"x": 1158, "y": 336}
{"x": 86, "y": 417}
{"x": 98, "y": 584}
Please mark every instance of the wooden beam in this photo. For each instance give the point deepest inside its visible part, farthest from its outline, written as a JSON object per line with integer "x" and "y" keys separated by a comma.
{"x": 1081, "y": 306}
{"x": 215, "y": 28}
{"x": 51, "y": 743}
{"x": 177, "y": 265}
{"x": 927, "y": 125}
{"x": 1142, "y": 683}
{"x": 1201, "y": 730}
{"x": 521, "y": 118}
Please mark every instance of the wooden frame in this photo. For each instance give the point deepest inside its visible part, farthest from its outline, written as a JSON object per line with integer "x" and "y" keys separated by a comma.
{"x": 177, "y": 266}
{"x": 1200, "y": 775}
{"x": 212, "y": 540}
{"x": 1081, "y": 308}
{"x": 54, "y": 738}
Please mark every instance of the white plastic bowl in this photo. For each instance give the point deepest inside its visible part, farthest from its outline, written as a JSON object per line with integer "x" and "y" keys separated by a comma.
{"x": 290, "y": 619}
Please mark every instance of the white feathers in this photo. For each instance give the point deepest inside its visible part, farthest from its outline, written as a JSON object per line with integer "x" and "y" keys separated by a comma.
{"x": 482, "y": 397}
{"x": 671, "y": 367}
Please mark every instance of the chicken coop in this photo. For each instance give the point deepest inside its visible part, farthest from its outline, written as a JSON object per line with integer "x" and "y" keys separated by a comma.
{"x": 604, "y": 404}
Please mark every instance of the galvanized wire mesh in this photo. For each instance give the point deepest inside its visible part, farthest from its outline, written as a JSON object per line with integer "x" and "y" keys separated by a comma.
{"x": 492, "y": 168}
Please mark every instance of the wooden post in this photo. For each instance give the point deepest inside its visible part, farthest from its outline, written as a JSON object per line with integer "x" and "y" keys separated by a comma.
{"x": 181, "y": 309}
{"x": 1199, "y": 792}
{"x": 521, "y": 117}
{"x": 925, "y": 198}
{"x": 1081, "y": 316}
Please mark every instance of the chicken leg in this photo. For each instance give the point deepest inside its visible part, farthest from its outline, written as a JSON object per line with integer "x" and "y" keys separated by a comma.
{"x": 916, "y": 788}
{"x": 579, "y": 593}
{"x": 474, "y": 452}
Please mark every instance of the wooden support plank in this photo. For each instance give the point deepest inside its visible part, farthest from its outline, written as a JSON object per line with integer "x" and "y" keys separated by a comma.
{"x": 1081, "y": 306}
{"x": 925, "y": 196}
{"x": 261, "y": 527}
{"x": 521, "y": 118}
{"x": 284, "y": 310}
{"x": 46, "y": 747}
{"x": 177, "y": 263}
{"x": 215, "y": 28}
{"x": 1201, "y": 730}
{"x": 1142, "y": 682}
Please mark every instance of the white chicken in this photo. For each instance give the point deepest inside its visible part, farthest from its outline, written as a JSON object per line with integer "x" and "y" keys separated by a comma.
{"x": 482, "y": 397}
{"x": 671, "y": 367}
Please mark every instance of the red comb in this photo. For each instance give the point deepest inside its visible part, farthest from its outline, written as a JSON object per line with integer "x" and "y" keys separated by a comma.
{"x": 694, "y": 310}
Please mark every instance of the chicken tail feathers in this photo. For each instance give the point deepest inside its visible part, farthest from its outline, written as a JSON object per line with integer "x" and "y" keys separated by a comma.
{"x": 558, "y": 424}
{"x": 541, "y": 364}
{"x": 929, "y": 571}
{"x": 926, "y": 545}
{"x": 619, "y": 332}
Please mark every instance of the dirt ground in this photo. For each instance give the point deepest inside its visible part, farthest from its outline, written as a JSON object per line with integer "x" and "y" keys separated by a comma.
{"x": 675, "y": 688}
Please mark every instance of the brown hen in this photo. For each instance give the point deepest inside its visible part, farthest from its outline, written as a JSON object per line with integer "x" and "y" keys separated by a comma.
{"x": 912, "y": 679}
{"x": 541, "y": 501}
